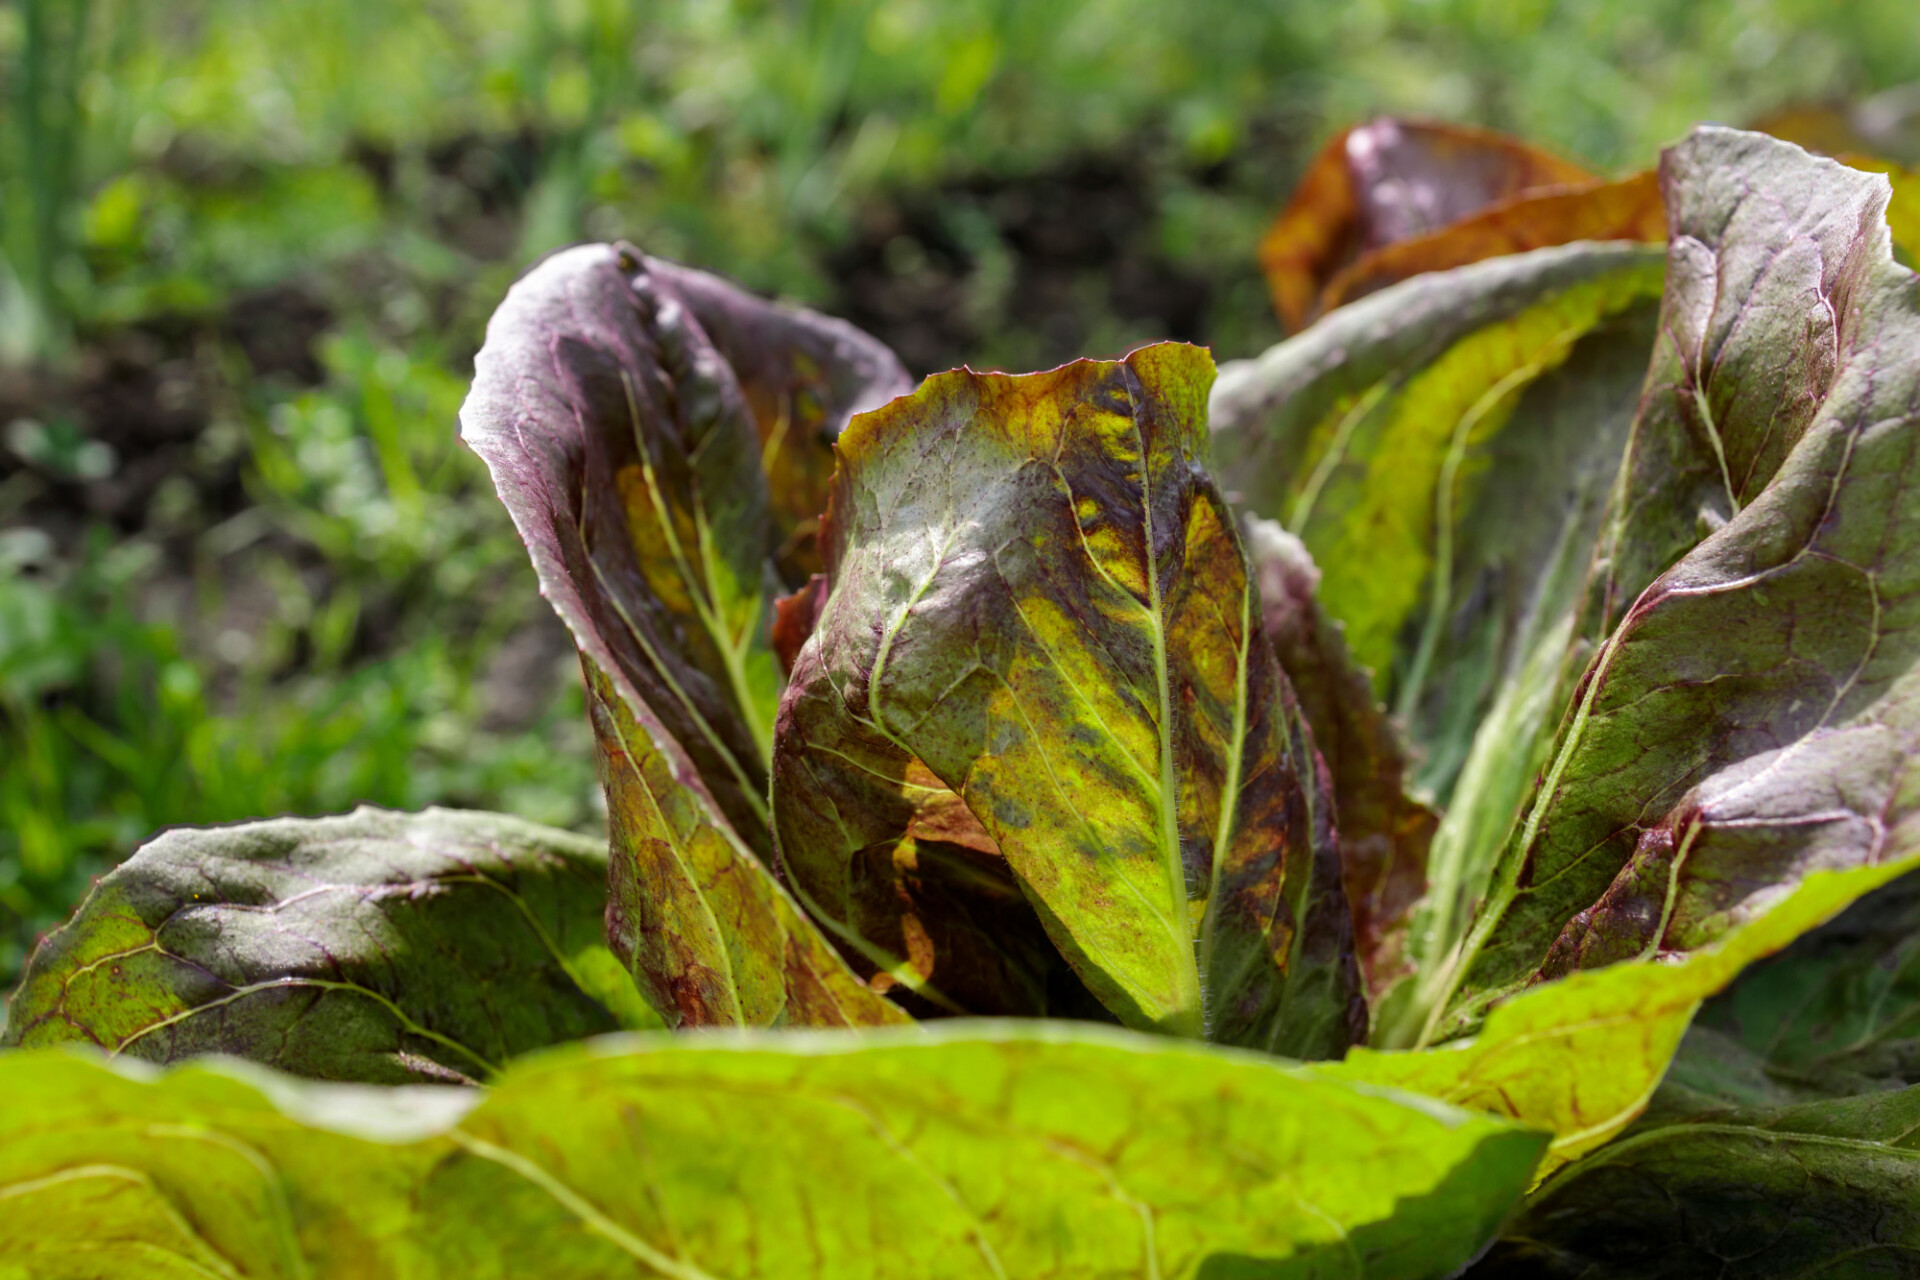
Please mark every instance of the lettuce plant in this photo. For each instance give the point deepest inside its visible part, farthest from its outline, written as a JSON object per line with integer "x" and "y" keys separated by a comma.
{"x": 1463, "y": 756}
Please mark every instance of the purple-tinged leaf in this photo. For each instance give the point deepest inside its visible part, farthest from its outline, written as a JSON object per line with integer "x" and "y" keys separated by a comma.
{"x": 626, "y": 450}
{"x": 804, "y": 375}
{"x": 381, "y": 947}
{"x": 1756, "y": 714}
{"x": 1384, "y": 833}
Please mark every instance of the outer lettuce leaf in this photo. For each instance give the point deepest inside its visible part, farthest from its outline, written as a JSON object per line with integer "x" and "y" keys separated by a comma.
{"x": 1582, "y": 1056}
{"x": 1752, "y": 342}
{"x": 986, "y": 1150}
{"x": 1838, "y": 1012}
{"x": 1384, "y": 833}
{"x": 710, "y": 935}
{"x": 1754, "y": 716}
{"x": 623, "y": 444}
{"x": 379, "y": 947}
{"x": 803, "y": 376}
{"x": 1445, "y": 449}
{"x": 1386, "y": 181}
{"x": 1038, "y": 591}
{"x": 1827, "y": 1188}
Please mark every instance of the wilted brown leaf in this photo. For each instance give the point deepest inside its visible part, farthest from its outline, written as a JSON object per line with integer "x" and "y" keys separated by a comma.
{"x": 1391, "y": 180}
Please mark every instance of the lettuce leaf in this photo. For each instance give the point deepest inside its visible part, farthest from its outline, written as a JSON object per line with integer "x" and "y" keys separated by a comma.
{"x": 380, "y": 947}
{"x": 1754, "y": 716}
{"x": 626, "y": 448}
{"x": 981, "y": 1150}
{"x": 1828, "y": 1188}
{"x": 1445, "y": 450}
{"x": 1037, "y": 590}
{"x": 1388, "y": 181}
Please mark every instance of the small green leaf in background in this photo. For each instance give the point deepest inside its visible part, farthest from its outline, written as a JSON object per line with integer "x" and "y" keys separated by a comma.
{"x": 980, "y": 1150}
{"x": 1754, "y": 717}
{"x": 377, "y": 947}
{"x": 626, "y": 450}
{"x": 1037, "y": 590}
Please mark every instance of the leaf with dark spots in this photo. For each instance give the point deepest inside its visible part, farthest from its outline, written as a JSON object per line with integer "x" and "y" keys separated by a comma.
{"x": 1384, "y": 833}
{"x": 626, "y": 450}
{"x": 1755, "y": 716}
{"x": 1629, "y": 209}
{"x": 1038, "y": 591}
{"x": 803, "y": 375}
{"x": 1828, "y": 1188}
{"x": 708, "y": 933}
{"x": 378, "y": 947}
{"x": 1386, "y": 181}
{"x": 896, "y": 866}
{"x": 1008, "y": 1150}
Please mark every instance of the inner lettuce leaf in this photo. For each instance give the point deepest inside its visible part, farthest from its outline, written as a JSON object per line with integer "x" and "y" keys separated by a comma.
{"x": 1445, "y": 450}
{"x": 1753, "y": 717}
{"x": 984, "y": 1150}
{"x": 803, "y": 375}
{"x": 1384, "y": 833}
{"x": 626, "y": 450}
{"x": 1037, "y": 591}
{"x": 380, "y": 947}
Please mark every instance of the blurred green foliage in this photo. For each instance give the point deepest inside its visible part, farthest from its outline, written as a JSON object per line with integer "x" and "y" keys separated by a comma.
{"x": 302, "y": 594}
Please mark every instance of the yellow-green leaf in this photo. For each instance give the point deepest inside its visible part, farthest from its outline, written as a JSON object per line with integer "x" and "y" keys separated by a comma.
{"x": 985, "y": 1150}
{"x": 1582, "y": 1056}
{"x": 1037, "y": 590}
